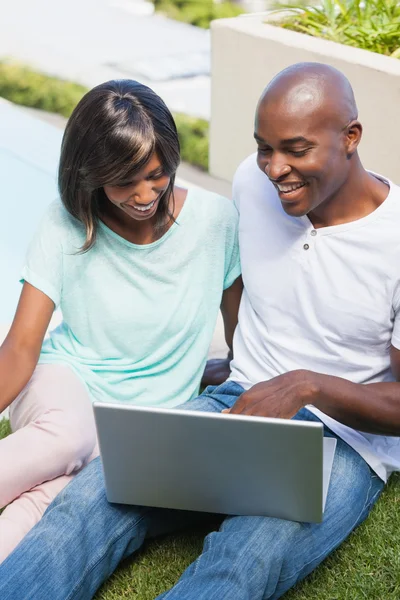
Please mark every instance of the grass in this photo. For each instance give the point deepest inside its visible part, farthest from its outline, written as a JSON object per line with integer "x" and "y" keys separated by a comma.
{"x": 365, "y": 567}
{"x": 155, "y": 569}
{"x": 22, "y": 85}
{"x": 4, "y": 428}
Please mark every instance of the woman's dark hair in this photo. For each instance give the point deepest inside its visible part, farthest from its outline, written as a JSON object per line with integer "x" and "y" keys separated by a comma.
{"x": 110, "y": 136}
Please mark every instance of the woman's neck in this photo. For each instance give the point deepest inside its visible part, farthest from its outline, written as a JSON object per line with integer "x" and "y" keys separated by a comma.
{"x": 141, "y": 232}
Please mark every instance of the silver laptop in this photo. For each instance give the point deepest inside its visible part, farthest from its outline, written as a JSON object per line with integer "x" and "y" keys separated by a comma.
{"x": 214, "y": 462}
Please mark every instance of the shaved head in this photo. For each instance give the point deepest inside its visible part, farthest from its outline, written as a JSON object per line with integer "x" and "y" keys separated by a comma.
{"x": 307, "y": 134}
{"x": 313, "y": 88}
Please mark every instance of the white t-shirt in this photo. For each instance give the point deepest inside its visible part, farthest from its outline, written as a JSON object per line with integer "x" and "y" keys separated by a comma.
{"x": 326, "y": 300}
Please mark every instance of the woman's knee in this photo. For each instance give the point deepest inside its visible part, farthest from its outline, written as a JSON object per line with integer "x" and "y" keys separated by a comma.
{"x": 57, "y": 404}
{"x": 87, "y": 488}
{"x": 74, "y": 444}
{"x": 52, "y": 388}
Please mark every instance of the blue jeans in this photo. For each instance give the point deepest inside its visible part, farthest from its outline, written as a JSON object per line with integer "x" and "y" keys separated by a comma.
{"x": 82, "y": 538}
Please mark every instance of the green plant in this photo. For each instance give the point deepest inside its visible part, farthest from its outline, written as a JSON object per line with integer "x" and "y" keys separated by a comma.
{"x": 193, "y": 137}
{"x": 197, "y": 12}
{"x": 22, "y": 85}
{"x": 5, "y": 428}
{"x": 371, "y": 24}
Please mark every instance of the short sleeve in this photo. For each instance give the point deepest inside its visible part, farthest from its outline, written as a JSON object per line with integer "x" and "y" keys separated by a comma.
{"x": 235, "y": 193}
{"x": 43, "y": 264}
{"x": 396, "y": 310}
{"x": 244, "y": 178}
{"x": 232, "y": 256}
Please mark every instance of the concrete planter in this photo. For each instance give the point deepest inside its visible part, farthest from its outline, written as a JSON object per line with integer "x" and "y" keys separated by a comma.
{"x": 247, "y": 53}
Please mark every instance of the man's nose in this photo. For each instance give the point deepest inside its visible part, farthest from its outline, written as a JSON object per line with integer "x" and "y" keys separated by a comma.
{"x": 276, "y": 167}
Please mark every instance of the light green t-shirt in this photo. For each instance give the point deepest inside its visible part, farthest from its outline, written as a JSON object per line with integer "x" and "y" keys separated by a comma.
{"x": 137, "y": 320}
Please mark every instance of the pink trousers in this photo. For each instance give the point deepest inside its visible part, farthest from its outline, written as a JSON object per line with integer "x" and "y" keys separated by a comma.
{"x": 53, "y": 437}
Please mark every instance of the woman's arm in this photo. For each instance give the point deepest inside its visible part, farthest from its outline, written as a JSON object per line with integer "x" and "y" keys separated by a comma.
{"x": 217, "y": 370}
{"x": 20, "y": 350}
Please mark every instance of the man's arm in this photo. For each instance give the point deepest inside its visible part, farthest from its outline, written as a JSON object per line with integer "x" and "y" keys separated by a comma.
{"x": 373, "y": 408}
{"x": 230, "y": 309}
{"x": 217, "y": 370}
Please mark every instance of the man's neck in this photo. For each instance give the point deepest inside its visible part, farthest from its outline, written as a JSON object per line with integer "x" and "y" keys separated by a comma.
{"x": 360, "y": 195}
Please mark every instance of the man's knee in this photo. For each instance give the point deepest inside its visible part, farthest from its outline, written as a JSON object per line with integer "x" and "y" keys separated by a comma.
{"x": 261, "y": 537}
{"x": 86, "y": 489}
{"x": 352, "y": 491}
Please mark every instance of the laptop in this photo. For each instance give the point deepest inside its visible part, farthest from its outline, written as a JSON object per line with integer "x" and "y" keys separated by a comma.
{"x": 213, "y": 462}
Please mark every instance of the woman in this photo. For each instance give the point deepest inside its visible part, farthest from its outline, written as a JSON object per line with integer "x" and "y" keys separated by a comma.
{"x": 139, "y": 268}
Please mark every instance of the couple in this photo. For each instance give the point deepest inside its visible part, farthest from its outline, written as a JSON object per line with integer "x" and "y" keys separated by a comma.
{"x": 318, "y": 336}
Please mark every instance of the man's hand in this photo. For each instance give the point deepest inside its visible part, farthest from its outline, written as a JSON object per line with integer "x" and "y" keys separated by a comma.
{"x": 216, "y": 372}
{"x": 280, "y": 397}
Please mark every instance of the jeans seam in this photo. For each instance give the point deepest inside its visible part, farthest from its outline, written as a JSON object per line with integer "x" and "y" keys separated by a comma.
{"x": 197, "y": 561}
{"x": 90, "y": 568}
{"x": 335, "y": 546}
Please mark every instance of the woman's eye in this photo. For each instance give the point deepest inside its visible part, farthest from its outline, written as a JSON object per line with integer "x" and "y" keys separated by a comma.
{"x": 155, "y": 176}
{"x": 124, "y": 185}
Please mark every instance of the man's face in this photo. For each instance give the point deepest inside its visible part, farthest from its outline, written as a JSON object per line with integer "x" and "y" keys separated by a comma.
{"x": 304, "y": 155}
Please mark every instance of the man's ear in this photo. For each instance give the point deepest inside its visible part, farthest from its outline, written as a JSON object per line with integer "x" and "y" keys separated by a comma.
{"x": 353, "y": 134}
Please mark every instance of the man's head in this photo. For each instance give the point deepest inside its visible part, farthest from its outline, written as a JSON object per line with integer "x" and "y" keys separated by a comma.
{"x": 307, "y": 134}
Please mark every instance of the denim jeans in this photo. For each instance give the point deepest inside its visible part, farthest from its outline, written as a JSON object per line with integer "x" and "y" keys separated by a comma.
{"x": 82, "y": 538}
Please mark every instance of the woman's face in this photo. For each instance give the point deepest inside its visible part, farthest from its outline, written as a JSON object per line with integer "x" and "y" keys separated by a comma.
{"x": 140, "y": 196}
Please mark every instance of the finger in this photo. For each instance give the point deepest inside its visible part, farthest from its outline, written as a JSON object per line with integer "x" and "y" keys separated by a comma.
{"x": 240, "y": 404}
{"x": 243, "y": 405}
{"x": 261, "y": 408}
{"x": 238, "y": 408}
{"x": 269, "y": 412}
{"x": 226, "y": 410}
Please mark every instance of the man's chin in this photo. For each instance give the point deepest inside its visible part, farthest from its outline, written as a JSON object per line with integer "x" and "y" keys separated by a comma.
{"x": 295, "y": 210}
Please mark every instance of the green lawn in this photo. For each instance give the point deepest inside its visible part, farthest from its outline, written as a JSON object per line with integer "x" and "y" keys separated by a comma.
{"x": 366, "y": 567}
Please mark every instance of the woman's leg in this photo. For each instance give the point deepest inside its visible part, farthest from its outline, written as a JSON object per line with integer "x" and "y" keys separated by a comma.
{"x": 24, "y": 512}
{"x": 53, "y": 437}
{"x": 20, "y": 516}
{"x": 53, "y": 431}
{"x": 92, "y": 536}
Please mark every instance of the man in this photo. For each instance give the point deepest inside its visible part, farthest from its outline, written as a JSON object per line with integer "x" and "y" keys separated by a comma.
{"x": 318, "y": 339}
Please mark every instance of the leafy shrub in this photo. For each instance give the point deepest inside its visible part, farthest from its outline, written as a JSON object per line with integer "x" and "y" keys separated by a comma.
{"x": 22, "y": 85}
{"x": 193, "y": 137}
{"x": 197, "y": 12}
{"x": 371, "y": 24}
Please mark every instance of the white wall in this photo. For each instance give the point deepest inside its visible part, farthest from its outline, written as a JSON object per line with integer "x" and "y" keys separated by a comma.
{"x": 247, "y": 53}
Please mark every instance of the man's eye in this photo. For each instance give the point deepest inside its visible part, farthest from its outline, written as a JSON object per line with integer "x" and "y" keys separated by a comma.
{"x": 262, "y": 150}
{"x": 298, "y": 153}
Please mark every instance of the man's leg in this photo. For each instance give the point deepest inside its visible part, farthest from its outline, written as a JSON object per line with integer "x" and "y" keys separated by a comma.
{"x": 254, "y": 558}
{"x": 82, "y": 538}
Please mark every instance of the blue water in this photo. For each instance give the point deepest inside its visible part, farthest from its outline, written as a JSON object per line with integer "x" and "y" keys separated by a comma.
{"x": 29, "y": 152}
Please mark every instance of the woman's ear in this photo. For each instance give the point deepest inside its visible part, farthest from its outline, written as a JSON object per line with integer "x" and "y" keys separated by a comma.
{"x": 353, "y": 134}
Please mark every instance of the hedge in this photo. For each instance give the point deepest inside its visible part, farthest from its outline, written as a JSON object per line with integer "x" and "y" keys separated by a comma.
{"x": 197, "y": 12}
{"x": 21, "y": 85}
